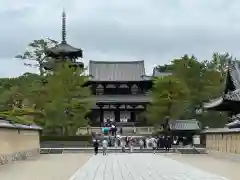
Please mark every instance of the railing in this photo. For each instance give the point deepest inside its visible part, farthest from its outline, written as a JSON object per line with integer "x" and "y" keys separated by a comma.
{"x": 134, "y": 130}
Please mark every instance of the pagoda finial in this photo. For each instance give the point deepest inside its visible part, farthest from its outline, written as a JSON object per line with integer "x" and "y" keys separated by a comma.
{"x": 63, "y": 26}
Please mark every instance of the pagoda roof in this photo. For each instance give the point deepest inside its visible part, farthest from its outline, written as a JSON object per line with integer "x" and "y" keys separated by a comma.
{"x": 231, "y": 95}
{"x": 64, "y": 49}
{"x": 117, "y": 71}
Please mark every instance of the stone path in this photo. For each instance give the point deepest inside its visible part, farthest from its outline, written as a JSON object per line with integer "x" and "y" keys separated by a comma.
{"x": 45, "y": 167}
{"x": 139, "y": 167}
{"x": 219, "y": 165}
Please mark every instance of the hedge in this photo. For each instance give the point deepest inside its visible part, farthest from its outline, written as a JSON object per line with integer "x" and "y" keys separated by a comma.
{"x": 66, "y": 138}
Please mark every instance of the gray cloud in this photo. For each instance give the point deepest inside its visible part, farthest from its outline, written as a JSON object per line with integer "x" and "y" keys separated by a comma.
{"x": 156, "y": 31}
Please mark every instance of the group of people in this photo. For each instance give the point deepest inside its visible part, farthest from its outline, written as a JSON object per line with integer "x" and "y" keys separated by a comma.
{"x": 160, "y": 142}
{"x": 110, "y": 129}
{"x": 155, "y": 143}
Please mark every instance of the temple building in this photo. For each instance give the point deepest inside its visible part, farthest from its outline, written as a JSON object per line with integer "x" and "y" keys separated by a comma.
{"x": 230, "y": 99}
{"x": 120, "y": 91}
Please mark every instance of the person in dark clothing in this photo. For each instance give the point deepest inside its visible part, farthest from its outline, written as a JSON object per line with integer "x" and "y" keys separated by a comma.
{"x": 162, "y": 144}
{"x": 95, "y": 145}
{"x": 121, "y": 131}
{"x": 127, "y": 141}
{"x": 109, "y": 141}
{"x": 158, "y": 143}
{"x": 169, "y": 143}
{"x": 144, "y": 143}
{"x": 166, "y": 143}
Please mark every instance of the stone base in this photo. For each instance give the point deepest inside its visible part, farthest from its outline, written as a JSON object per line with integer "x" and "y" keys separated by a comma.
{"x": 5, "y": 159}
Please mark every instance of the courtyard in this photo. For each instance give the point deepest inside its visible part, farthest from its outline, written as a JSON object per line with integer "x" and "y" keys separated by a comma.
{"x": 135, "y": 166}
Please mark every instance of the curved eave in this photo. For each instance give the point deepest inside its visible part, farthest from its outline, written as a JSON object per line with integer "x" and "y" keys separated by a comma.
{"x": 64, "y": 50}
{"x": 222, "y": 104}
{"x": 213, "y": 103}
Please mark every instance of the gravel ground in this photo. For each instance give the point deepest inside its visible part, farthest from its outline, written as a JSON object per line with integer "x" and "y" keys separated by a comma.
{"x": 215, "y": 164}
{"x": 46, "y": 167}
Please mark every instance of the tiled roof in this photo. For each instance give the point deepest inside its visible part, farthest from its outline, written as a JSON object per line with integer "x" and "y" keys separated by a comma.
{"x": 233, "y": 81}
{"x": 7, "y": 124}
{"x": 179, "y": 125}
{"x": 157, "y": 73}
{"x": 220, "y": 130}
{"x": 234, "y": 70}
{"x": 234, "y": 124}
{"x": 64, "y": 49}
{"x": 117, "y": 71}
{"x": 213, "y": 103}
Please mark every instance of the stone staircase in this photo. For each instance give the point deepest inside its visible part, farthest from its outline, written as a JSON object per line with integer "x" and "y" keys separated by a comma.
{"x": 127, "y": 131}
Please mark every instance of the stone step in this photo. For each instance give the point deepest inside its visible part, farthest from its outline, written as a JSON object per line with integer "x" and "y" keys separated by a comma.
{"x": 191, "y": 151}
{"x": 116, "y": 150}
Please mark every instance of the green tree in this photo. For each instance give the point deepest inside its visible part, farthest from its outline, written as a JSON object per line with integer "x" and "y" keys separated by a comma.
{"x": 14, "y": 102}
{"x": 169, "y": 97}
{"x": 35, "y": 55}
{"x": 66, "y": 104}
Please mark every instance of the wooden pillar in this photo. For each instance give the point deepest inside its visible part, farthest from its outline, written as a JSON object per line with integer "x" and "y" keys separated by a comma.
{"x": 117, "y": 114}
{"x": 101, "y": 114}
{"x": 133, "y": 113}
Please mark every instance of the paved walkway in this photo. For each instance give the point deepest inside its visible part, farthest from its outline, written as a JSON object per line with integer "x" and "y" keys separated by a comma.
{"x": 46, "y": 167}
{"x": 223, "y": 166}
{"x": 139, "y": 167}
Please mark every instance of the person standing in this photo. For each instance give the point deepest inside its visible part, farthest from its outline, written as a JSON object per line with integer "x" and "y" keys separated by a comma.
{"x": 131, "y": 144}
{"x": 95, "y": 145}
{"x": 141, "y": 143}
{"x": 104, "y": 145}
{"x": 144, "y": 143}
{"x": 123, "y": 144}
{"x": 154, "y": 144}
{"x": 113, "y": 128}
{"x": 121, "y": 130}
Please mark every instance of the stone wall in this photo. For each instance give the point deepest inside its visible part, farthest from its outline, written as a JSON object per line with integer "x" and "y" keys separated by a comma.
{"x": 18, "y": 142}
{"x": 223, "y": 140}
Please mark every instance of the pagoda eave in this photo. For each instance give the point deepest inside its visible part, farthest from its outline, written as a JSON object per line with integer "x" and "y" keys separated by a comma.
{"x": 57, "y": 54}
{"x": 64, "y": 50}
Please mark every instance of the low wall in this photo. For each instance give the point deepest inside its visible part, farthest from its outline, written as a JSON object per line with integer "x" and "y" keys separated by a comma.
{"x": 18, "y": 142}
{"x": 223, "y": 140}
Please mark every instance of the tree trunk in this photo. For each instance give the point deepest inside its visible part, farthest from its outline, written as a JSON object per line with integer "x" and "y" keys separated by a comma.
{"x": 41, "y": 69}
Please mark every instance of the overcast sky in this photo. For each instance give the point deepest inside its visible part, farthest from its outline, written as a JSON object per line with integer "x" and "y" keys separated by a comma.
{"x": 156, "y": 31}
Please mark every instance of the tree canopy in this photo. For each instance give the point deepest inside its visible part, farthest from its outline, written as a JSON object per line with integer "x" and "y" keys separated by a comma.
{"x": 169, "y": 95}
{"x": 199, "y": 80}
{"x": 56, "y": 100}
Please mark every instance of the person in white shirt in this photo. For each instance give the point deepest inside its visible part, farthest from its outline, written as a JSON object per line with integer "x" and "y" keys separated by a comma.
{"x": 123, "y": 144}
{"x": 141, "y": 143}
{"x": 147, "y": 142}
{"x": 105, "y": 145}
{"x": 131, "y": 143}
